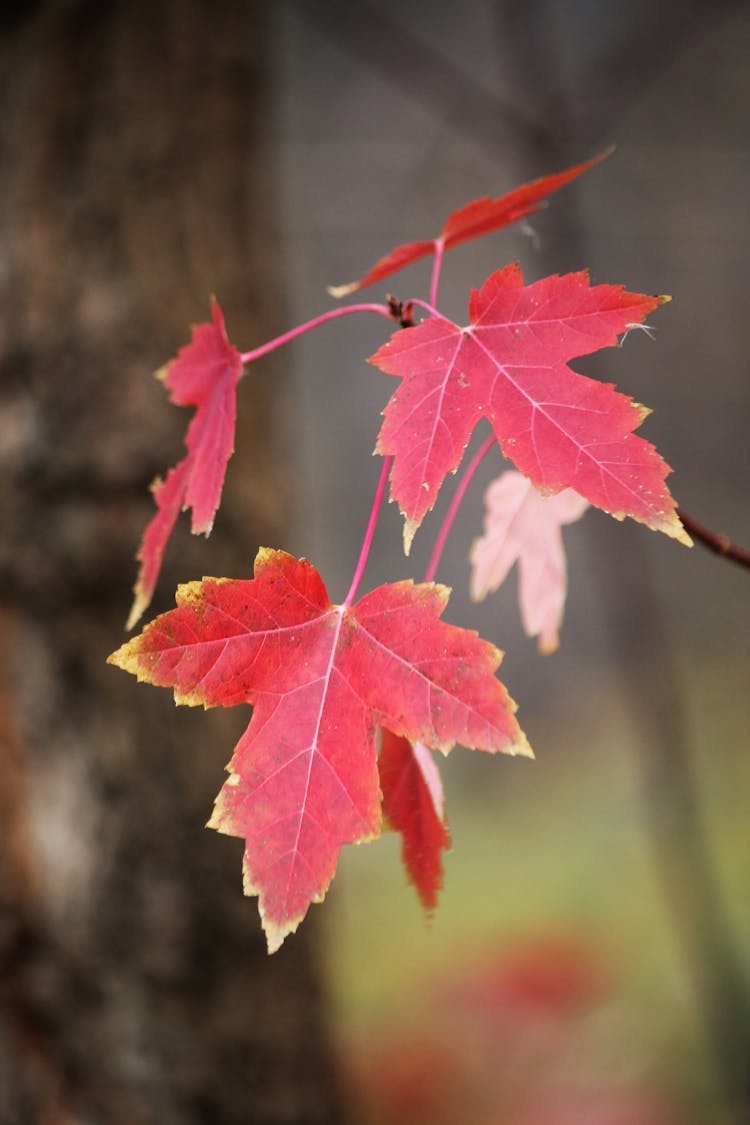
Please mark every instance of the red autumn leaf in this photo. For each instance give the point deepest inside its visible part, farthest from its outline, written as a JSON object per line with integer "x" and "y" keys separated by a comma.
{"x": 413, "y": 805}
{"x": 321, "y": 679}
{"x": 561, "y": 429}
{"x": 522, "y": 526}
{"x": 481, "y": 216}
{"x": 204, "y": 374}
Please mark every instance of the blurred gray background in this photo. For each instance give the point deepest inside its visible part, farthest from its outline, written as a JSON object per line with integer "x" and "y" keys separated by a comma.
{"x": 387, "y": 118}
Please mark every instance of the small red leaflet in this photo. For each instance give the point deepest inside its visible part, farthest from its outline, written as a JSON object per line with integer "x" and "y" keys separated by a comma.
{"x": 481, "y": 216}
{"x": 413, "y": 806}
{"x": 321, "y": 679}
{"x": 204, "y": 374}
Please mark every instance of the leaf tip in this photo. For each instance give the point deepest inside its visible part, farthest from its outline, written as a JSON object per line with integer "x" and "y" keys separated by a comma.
{"x": 477, "y": 590}
{"x": 410, "y": 528}
{"x": 548, "y": 645}
{"x": 675, "y": 530}
{"x": 275, "y": 934}
{"x": 140, "y": 604}
{"x": 669, "y": 523}
{"x": 205, "y": 527}
{"x": 126, "y": 658}
{"x": 521, "y": 748}
{"x": 263, "y": 558}
{"x": 338, "y": 291}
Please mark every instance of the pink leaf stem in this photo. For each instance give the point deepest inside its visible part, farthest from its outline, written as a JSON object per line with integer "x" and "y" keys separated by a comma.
{"x": 369, "y": 533}
{"x": 455, "y": 504}
{"x": 309, "y": 325}
{"x": 437, "y": 263}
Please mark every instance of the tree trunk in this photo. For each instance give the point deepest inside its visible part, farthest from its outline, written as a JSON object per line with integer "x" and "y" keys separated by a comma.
{"x": 134, "y": 982}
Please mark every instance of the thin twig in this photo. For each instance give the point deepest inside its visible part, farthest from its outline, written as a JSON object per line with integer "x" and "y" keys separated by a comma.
{"x": 715, "y": 541}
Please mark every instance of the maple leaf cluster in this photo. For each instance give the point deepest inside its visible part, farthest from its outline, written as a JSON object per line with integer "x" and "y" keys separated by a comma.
{"x": 321, "y": 679}
{"x": 350, "y": 701}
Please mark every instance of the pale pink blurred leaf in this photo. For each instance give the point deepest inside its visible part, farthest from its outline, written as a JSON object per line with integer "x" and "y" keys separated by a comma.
{"x": 522, "y": 526}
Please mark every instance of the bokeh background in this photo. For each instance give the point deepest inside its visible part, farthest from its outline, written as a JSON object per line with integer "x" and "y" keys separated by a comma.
{"x": 589, "y": 960}
{"x": 627, "y": 839}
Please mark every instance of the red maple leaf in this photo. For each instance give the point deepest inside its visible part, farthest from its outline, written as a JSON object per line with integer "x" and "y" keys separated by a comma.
{"x": 561, "y": 429}
{"x": 321, "y": 678}
{"x": 204, "y": 374}
{"x": 522, "y": 526}
{"x": 413, "y": 805}
{"x": 481, "y": 216}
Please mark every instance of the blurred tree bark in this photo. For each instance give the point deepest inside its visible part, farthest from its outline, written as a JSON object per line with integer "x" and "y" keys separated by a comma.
{"x": 134, "y": 982}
